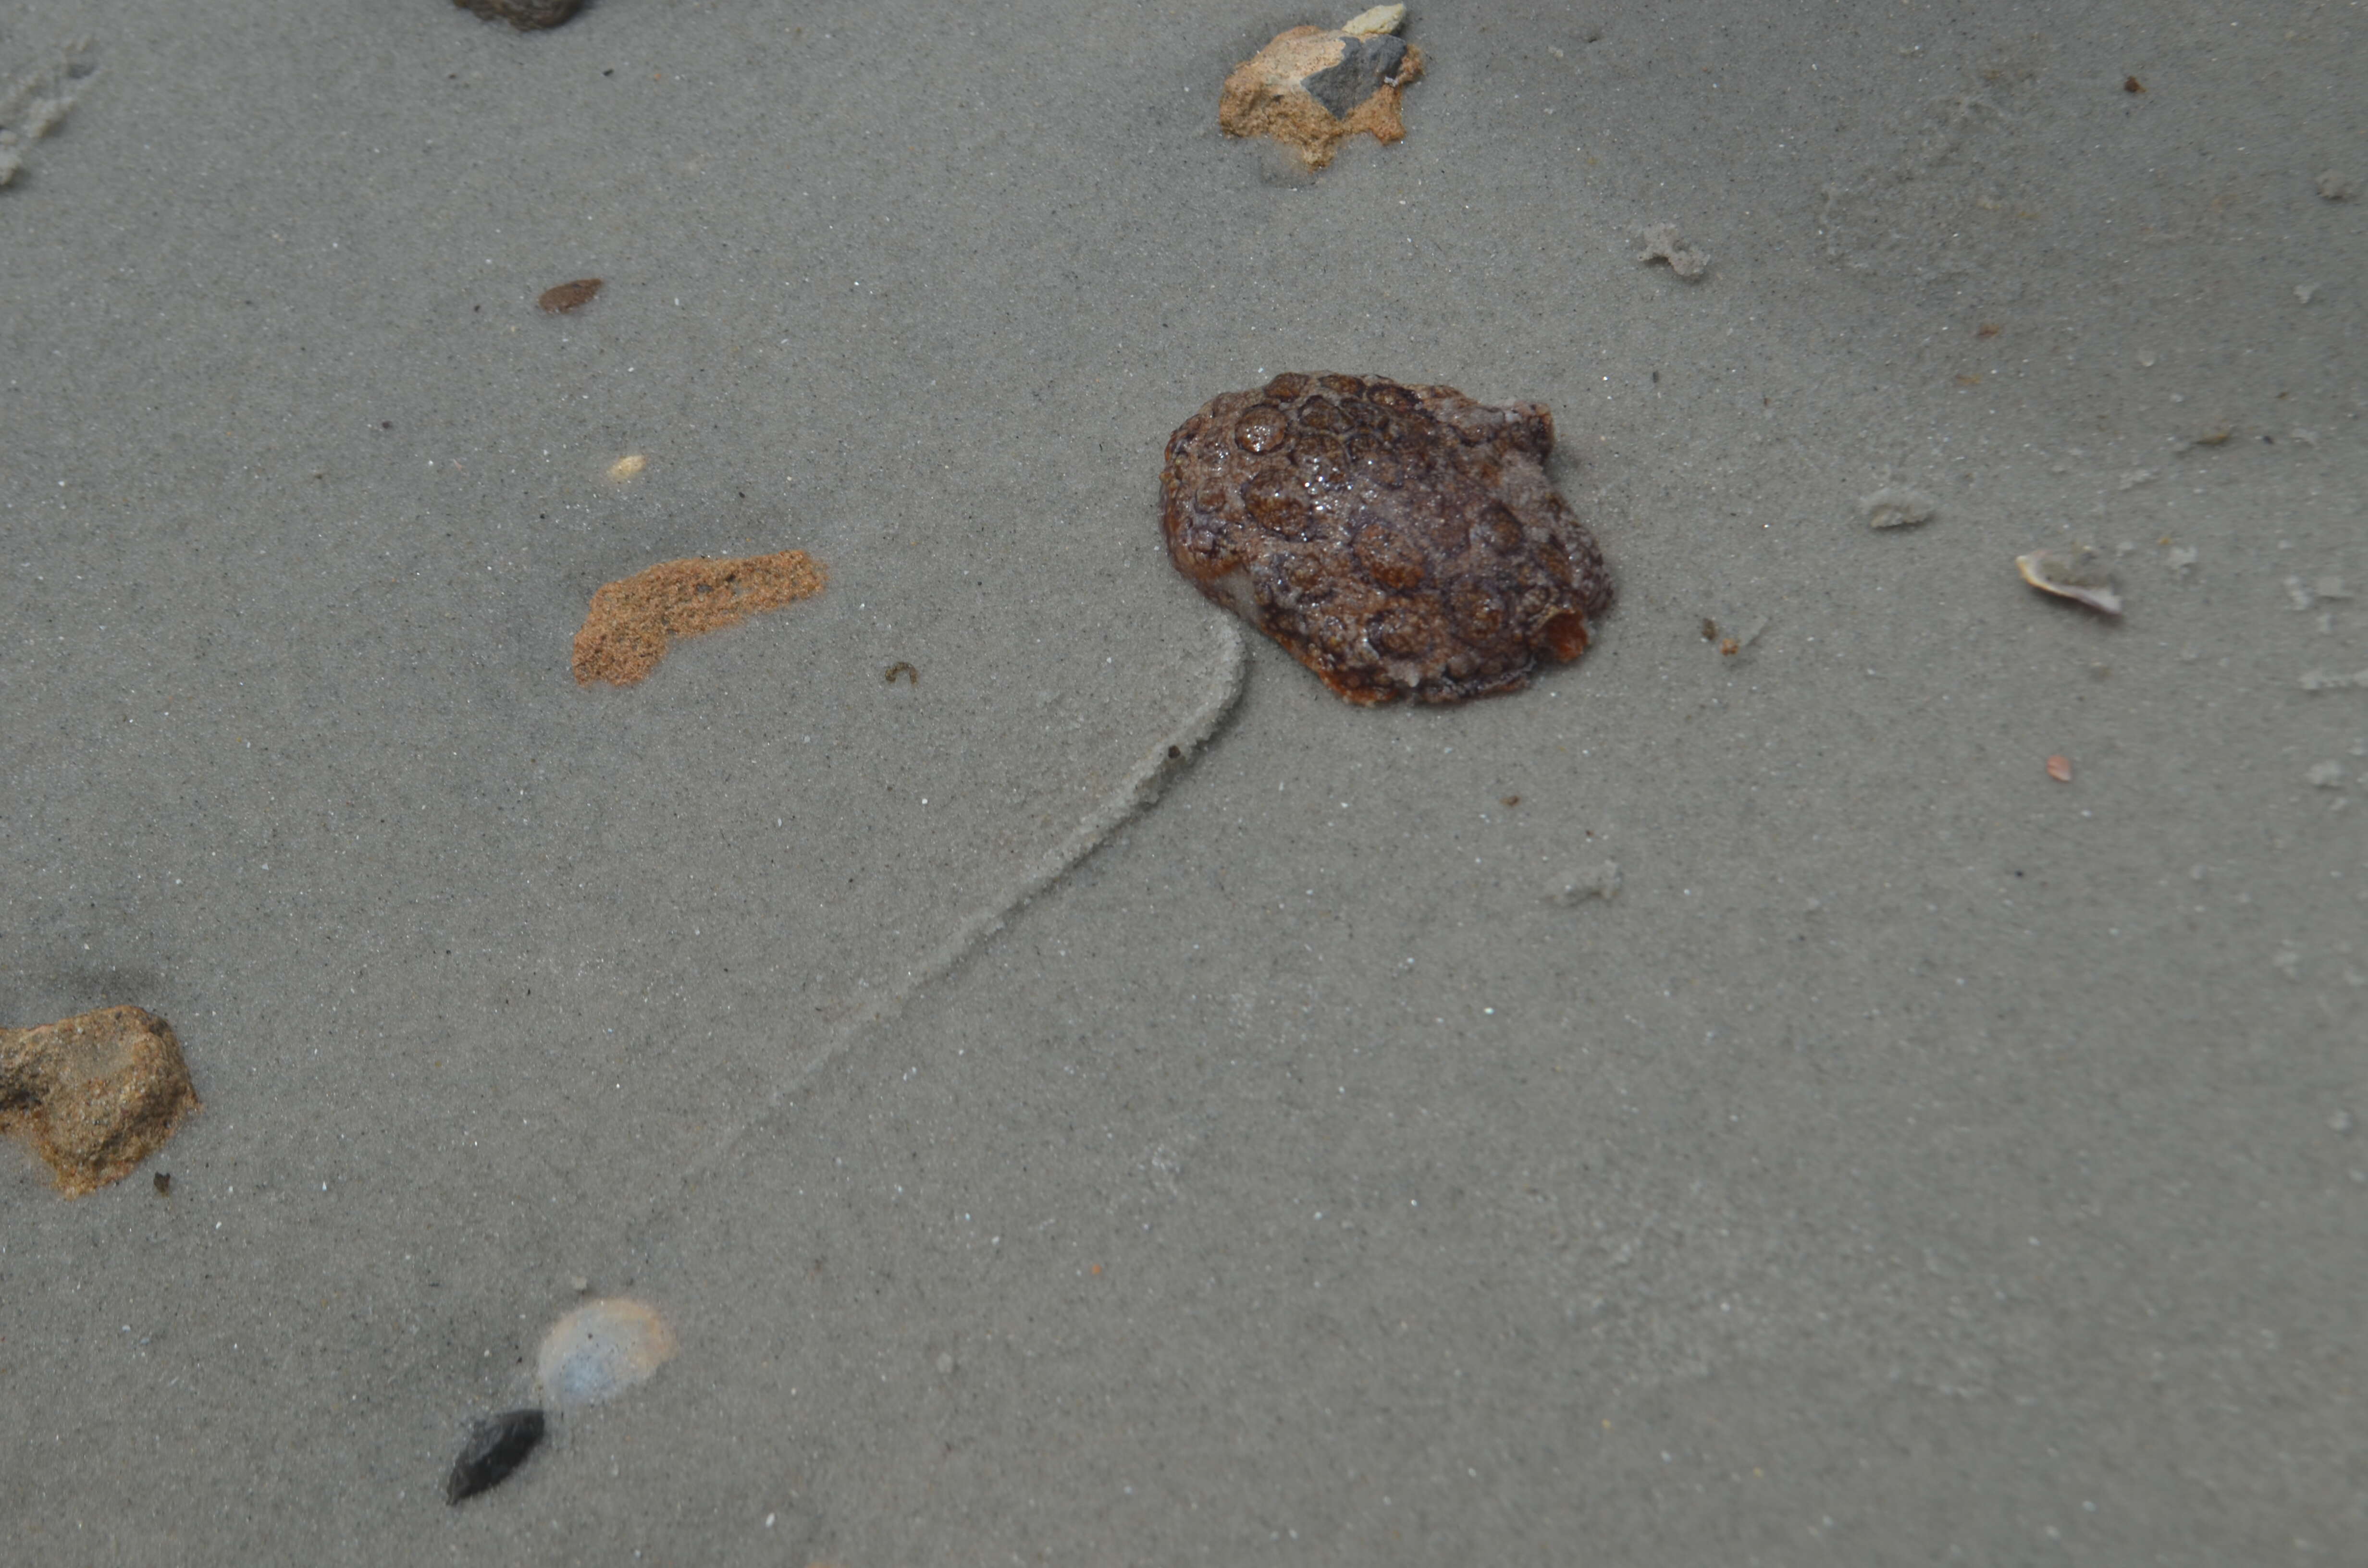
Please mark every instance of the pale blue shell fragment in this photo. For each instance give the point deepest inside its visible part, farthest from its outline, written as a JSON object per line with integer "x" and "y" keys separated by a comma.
{"x": 601, "y": 1349}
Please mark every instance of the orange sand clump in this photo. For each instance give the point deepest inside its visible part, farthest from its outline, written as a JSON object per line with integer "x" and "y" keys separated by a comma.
{"x": 94, "y": 1094}
{"x": 632, "y": 619}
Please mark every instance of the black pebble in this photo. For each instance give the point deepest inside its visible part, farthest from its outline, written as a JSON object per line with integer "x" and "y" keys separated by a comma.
{"x": 1365, "y": 64}
{"x": 496, "y": 1447}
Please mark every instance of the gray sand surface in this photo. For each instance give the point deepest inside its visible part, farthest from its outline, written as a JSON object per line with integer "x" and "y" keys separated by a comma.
{"x": 1917, "y": 1159}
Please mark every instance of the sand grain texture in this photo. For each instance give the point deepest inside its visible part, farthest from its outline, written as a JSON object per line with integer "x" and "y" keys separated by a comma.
{"x": 1899, "y": 1088}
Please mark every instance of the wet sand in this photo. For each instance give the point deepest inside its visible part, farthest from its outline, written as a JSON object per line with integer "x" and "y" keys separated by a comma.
{"x": 1917, "y": 1155}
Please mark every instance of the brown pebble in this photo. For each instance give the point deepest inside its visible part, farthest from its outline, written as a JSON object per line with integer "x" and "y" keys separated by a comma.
{"x": 633, "y": 621}
{"x": 562, "y": 297}
{"x": 96, "y": 1094}
{"x": 1398, "y": 540}
{"x": 523, "y": 14}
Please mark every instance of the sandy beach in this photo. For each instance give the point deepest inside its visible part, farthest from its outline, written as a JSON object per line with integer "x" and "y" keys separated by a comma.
{"x": 1090, "y": 1095}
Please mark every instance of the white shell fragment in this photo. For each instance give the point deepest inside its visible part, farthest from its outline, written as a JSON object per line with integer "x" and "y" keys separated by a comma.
{"x": 601, "y": 1349}
{"x": 2078, "y": 574}
{"x": 1380, "y": 20}
{"x": 1897, "y": 506}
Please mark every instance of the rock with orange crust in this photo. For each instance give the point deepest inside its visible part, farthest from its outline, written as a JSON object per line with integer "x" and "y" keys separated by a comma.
{"x": 1312, "y": 88}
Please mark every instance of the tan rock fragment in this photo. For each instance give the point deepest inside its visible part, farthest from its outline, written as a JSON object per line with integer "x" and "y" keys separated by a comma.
{"x": 1312, "y": 88}
{"x": 633, "y": 621}
{"x": 96, "y": 1094}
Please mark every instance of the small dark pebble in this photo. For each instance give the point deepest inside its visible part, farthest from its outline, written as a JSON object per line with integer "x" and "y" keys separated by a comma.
{"x": 494, "y": 1448}
{"x": 565, "y": 296}
{"x": 1366, "y": 65}
{"x": 163, "y": 1180}
{"x": 523, "y": 14}
{"x": 2132, "y": 84}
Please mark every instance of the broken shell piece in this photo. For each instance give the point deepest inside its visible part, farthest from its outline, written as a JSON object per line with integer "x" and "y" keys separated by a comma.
{"x": 96, "y": 1094}
{"x": 601, "y": 1349}
{"x": 1311, "y": 90}
{"x": 1897, "y": 506}
{"x": 2078, "y": 574}
{"x": 1661, "y": 243}
{"x": 1727, "y": 639}
{"x": 2059, "y": 768}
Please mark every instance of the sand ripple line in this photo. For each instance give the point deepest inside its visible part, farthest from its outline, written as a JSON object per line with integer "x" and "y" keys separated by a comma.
{"x": 1142, "y": 785}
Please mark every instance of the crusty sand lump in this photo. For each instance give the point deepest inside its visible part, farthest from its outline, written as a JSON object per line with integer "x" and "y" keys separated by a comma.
{"x": 94, "y": 1094}
{"x": 633, "y": 621}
